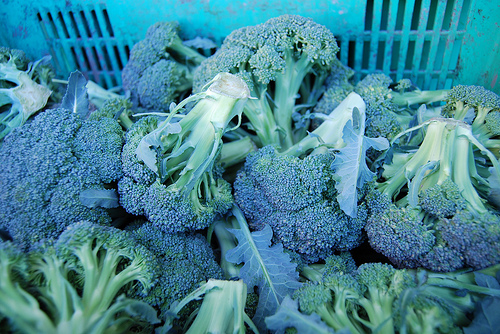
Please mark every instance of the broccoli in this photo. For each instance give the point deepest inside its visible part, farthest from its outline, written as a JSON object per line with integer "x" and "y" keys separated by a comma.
{"x": 160, "y": 68}
{"x": 58, "y": 169}
{"x": 479, "y": 107}
{"x": 20, "y": 95}
{"x": 74, "y": 284}
{"x": 184, "y": 261}
{"x": 376, "y": 297}
{"x": 221, "y": 311}
{"x": 186, "y": 190}
{"x": 302, "y": 192}
{"x": 421, "y": 191}
{"x": 285, "y": 62}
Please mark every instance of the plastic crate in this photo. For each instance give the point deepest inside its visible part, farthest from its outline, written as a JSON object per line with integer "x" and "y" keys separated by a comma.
{"x": 435, "y": 43}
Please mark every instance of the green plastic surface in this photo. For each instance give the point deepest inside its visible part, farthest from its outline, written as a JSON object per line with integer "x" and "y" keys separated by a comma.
{"x": 436, "y": 43}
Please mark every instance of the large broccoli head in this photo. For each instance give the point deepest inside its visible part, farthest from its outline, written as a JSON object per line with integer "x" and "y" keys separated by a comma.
{"x": 285, "y": 62}
{"x": 54, "y": 168}
{"x": 298, "y": 199}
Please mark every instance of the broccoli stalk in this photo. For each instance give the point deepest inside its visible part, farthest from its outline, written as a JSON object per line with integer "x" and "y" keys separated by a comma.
{"x": 20, "y": 96}
{"x": 184, "y": 151}
{"x": 445, "y": 154}
{"x": 222, "y": 309}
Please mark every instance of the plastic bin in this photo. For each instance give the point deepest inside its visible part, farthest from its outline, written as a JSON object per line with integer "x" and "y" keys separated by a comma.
{"x": 436, "y": 43}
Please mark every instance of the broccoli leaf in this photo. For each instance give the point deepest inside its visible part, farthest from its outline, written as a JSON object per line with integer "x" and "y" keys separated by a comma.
{"x": 76, "y": 98}
{"x": 486, "y": 319}
{"x": 104, "y": 198}
{"x": 288, "y": 316}
{"x": 265, "y": 266}
{"x": 350, "y": 162}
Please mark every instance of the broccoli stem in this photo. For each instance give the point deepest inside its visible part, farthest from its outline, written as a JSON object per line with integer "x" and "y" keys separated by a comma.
{"x": 329, "y": 133}
{"x": 186, "y": 52}
{"x": 259, "y": 113}
{"x": 419, "y": 97}
{"x": 287, "y": 87}
{"x": 226, "y": 242}
{"x": 235, "y": 152}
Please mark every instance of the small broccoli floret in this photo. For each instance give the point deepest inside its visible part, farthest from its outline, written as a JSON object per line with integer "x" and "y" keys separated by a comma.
{"x": 462, "y": 98}
{"x": 185, "y": 260}
{"x": 442, "y": 200}
{"x": 383, "y": 117}
{"x": 186, "y": 191}
{"x": 74, "y": 284}
{"x": 160, "y": 68}
{"x": 285, "y": 62}
{"x": 20, "y": 95}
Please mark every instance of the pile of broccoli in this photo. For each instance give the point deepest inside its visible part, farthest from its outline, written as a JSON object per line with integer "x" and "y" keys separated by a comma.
{"x": 250, "y": 187}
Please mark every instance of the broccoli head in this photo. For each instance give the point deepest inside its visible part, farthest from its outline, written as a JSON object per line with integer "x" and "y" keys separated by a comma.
{"x": 160, "y": 68}
{"x": 185, "y": 260}
{"x": 58, "y": 169}
{"x": 285, "y": 62}
{"x": 74, "y": 283}
{"x": 183, "y": 188}
{"x": 423, "y": 189}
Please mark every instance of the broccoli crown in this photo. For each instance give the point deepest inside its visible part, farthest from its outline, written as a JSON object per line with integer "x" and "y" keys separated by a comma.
{"x": 72, "y": 284}
{"x": 160, "y": 68}
{"x": 492, "y": 122}
{"x": 399, "y": 234}
{"x": 297, "y": 197}
{"x": 20, "y": 95}
{"x": 186, "y": 190}
{"x": 461, "y": 98}
{"x": 475, "y": 238}
{"x": 285, "y": 62}
{"x": 47, "y": 163}
{"x": 442, "y": 200}
{"x": 185, "y": 260}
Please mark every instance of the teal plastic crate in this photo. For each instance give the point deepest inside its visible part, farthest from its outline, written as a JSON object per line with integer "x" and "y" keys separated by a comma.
{"x": 435, "y": 43}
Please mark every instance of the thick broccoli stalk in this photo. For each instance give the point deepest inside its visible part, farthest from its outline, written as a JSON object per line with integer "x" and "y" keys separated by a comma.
{"x": 285, "y": 62}
{"x": 160, "y": 68}
{"x": 185, "y": 191}
{"x": 424, "y": 190}
{"x": 75, "y": 284}
{"x": 221, "y": 311}
{"x": 20, "y": 95}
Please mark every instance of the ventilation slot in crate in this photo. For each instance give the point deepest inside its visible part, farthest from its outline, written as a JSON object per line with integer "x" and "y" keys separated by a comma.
{"x": 84, "y": 39}
{"x": 416, "y": 39}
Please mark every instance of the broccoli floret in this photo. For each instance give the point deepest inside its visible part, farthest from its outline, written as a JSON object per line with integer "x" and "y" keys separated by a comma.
{"x": 160, "y": 68}
{"x": 75, "y": 283}
{"x": 56, "y": 170}
{"x": 187, "y": 191}
{"x": 285, "y": 62}
{"x": 297, "y": 198}
{"x": 20, "y": 95}
{"x": 422, "y": 189}
{"x": 185, "y": 260}
{"x": 378, "y": 297}
{"x": 462, "y": 98}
